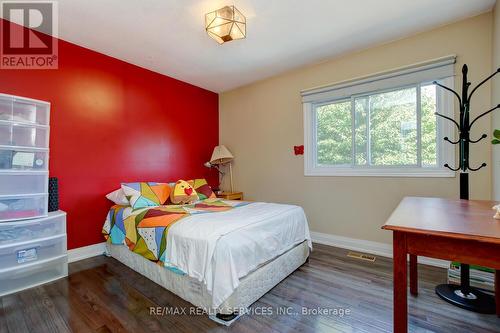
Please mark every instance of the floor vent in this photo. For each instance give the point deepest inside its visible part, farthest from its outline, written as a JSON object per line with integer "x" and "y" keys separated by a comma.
{"x": 361, "y": 256}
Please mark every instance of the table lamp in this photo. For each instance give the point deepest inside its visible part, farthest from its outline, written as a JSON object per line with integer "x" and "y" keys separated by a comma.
{"x": 221, "y": 156}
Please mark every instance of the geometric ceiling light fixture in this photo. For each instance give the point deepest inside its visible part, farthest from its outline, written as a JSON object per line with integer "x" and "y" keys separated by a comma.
{"x": 226, "y": 24}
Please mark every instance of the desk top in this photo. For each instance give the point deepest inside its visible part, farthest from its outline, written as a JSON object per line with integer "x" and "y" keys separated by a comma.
{"x": 465, "y": 219}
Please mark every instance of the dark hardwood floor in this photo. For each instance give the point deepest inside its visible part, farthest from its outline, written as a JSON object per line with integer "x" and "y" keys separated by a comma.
{"x": 102, "y": 295}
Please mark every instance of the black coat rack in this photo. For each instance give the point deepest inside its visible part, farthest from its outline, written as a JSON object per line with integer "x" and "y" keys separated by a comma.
{"x": 465, "y": 296}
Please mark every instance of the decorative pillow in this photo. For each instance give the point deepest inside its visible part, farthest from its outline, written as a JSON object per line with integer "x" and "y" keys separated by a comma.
{"x": 142, "y": 195}
{"x": 118, "y": 197}
{"x": 202, "y": 188}
{"x": 183, "y": 193}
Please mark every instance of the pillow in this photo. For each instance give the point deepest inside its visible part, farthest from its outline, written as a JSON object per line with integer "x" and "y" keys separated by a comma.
{"x": 143, "y": 194}
{"x": 118, "y": 197}
{"x": 183, "y": 193}
{"x": 202, "y": 188}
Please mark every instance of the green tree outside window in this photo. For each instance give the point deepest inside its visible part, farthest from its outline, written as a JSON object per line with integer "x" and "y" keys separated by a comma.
{"x": 496, "y": 135}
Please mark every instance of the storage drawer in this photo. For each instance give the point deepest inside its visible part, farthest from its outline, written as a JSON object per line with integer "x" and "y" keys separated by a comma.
{"x": 31, "y": 275}
{"x": 29, "y": 230}
{"x": 23, "y": 159}
{"x": 23, "y": 207}
{"x": 26, "y": 111}
{"x": 23, "y": 135}
{"x": 6, "y": 104}
{"x": 13, "y": 183}
{"x": 19, "y": 254}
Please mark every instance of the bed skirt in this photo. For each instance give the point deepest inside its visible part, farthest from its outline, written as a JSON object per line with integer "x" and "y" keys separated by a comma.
{"x": 251, "y": 288}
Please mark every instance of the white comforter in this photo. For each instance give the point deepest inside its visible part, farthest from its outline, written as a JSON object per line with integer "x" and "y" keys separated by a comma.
{"x": 220, "y": 249}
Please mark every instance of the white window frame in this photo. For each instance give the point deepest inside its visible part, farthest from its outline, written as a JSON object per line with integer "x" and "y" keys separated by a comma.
{"x": 441, "y": 70}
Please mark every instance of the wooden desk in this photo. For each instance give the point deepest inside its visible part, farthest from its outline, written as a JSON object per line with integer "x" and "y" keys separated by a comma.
{"x": 457, "y": 230}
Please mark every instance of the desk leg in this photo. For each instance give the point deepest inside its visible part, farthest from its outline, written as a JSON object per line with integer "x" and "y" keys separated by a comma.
{"x": 400, "y": 283}
{"x": 497, "y": 291}
{"x": 413, "y": 275}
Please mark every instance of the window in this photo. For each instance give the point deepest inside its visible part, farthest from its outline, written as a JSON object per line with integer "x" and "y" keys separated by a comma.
{"x": 391, "y": 131}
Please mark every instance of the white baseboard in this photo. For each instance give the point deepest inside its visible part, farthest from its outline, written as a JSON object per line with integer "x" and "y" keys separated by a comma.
{"x": 86, "y": 252}
{"x": 360, "y": 245}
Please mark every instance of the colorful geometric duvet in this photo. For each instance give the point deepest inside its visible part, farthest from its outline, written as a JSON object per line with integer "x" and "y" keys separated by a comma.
{"x": 144, "y": 230}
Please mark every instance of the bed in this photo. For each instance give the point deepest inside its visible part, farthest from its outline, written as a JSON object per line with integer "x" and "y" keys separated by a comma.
{"x": 219, "y": 255}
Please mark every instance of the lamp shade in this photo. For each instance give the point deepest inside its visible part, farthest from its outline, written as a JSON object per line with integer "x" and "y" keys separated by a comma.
{"x": 221, "y": 155}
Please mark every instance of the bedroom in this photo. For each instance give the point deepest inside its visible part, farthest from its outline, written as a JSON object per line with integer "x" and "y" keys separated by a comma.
{"x": 161, "y": 172}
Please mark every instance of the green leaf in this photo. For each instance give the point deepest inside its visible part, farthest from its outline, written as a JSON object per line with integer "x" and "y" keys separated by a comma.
{"x": 496, "y": 134}
{"x": 495, "y": 141}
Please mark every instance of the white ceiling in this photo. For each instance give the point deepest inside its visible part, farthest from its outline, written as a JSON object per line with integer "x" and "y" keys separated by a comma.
{"x": 168, "y": 36}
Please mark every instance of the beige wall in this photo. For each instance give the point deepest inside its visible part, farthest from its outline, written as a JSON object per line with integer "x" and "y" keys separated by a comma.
{"x": 495, "y": 98}
{"x": 260, "y": 123}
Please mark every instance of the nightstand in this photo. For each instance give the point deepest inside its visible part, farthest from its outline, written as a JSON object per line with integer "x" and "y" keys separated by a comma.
{"x": 231, "y": 195}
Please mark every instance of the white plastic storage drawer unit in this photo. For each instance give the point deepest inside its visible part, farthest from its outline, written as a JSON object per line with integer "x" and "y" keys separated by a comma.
{"x": 32, "y": 252}
{"x": 28, "y": 230}
{"x": 24, "y": 110}
{"x": 18, "y": 207}
{"x": 14, "y": 183}
{"x": 33, "y": 246}
{"x": 19, "y": 254}
{"x": 32, "y": 274}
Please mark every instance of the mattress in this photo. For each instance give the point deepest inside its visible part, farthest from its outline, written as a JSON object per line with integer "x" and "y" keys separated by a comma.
{"x": 250, "y": 289}
{"x": 216, "y": 243}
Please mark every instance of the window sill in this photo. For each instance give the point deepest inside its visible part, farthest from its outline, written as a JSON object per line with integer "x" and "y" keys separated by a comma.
{"x": 387, "y": 172}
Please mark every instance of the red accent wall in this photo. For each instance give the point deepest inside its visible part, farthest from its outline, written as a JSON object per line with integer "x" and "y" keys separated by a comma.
{"x": 114, "y": 122}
